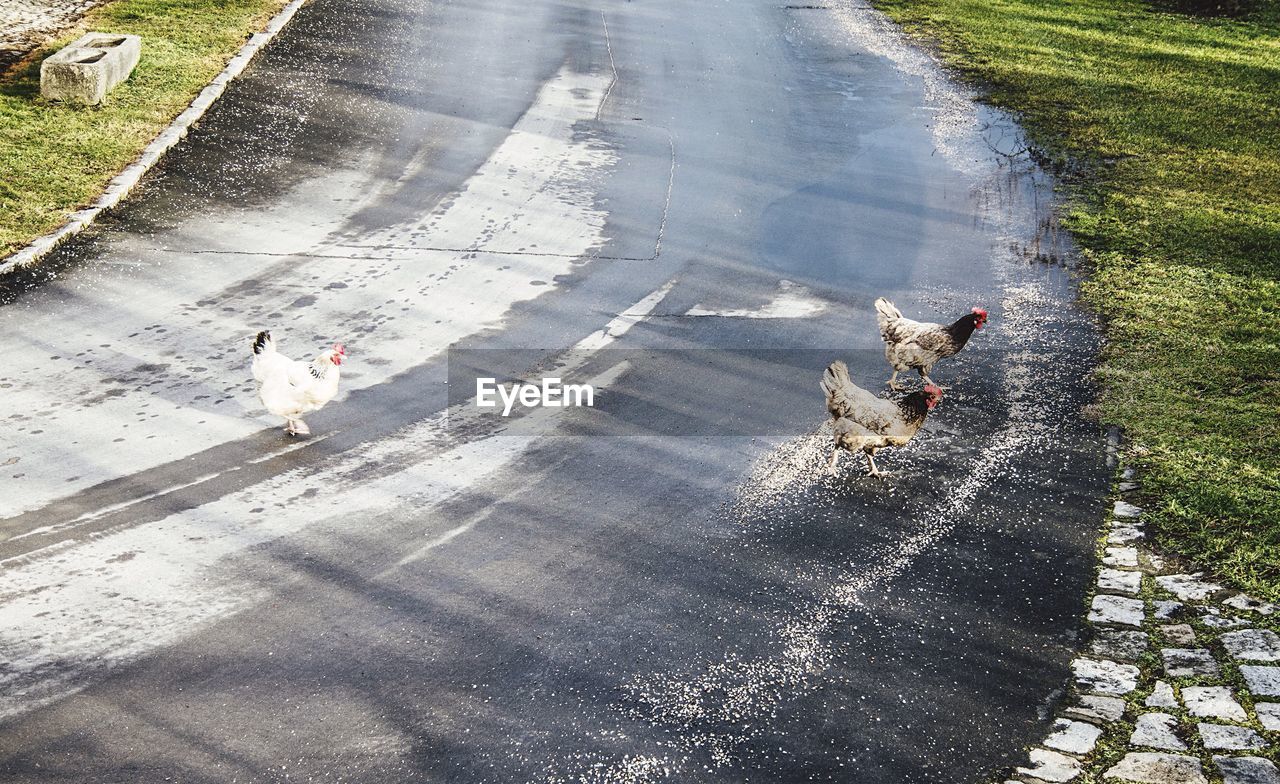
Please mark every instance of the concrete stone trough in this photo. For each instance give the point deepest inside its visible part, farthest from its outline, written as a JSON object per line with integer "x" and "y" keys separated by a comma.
{"x": 89, "y": 67}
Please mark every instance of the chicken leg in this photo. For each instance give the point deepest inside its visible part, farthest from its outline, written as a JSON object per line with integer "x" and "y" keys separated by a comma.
{"x": 924, "y": 377}
{"x": 871, "y": 462}
{"x": 893, "y": 382}
{"x": 831, "y": 464}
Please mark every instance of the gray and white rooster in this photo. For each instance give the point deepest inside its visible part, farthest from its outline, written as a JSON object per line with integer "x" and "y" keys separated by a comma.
{"x": 918, "y": 345}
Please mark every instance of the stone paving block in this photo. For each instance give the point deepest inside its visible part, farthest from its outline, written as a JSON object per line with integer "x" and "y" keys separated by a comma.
{"x": 1124, "y": 534}
{"x": 27, "y": 24}
{"x": 1150, "y": 768}
{"x": 1188, "y": 587}
{"x": 1097, "y": 708}
{"x": 1268, "y": 715}
{"x": 1125, "y": 509}
{"x": 1073, "y": 737}
{"x": 1162, "y": 696}
{"x": 1225, "y": 736}
{"x": 1051, "y": 766}
{"x": 1216, "y": 702}
{"x": 1104, "y": 677}
{"x": 1166, "y": 609}
{"x": 1155, "y": 730}
{"x": 1247, "y": 770}
{"x": 1116, "y": 609}
{"x": 1119, "y": 580}
{"x": 1121, "y": 556}
{"x": 1242, "y": 602}
{"x": 1261, "y": 680}
{"x": 1179, "y": 634}
{"x": 1119, "y": 644}
{"x": 1183, "y": 662}
{"x": 1253, "y": 644}
{"x": 1216, "y": 620}
{"x": 1151, "y": 562}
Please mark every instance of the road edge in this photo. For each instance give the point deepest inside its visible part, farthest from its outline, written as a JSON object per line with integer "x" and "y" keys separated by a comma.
{"x": 121, "y": 185}
{"x": 1176, "y": 680}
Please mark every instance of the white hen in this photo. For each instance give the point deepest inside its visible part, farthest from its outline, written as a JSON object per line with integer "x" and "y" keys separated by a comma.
{"x": 289, "y": 388}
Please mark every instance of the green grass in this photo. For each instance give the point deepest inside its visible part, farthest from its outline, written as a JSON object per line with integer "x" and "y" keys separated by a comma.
{"x": 56, "y": 159}
{"x": 1166, "y": 129}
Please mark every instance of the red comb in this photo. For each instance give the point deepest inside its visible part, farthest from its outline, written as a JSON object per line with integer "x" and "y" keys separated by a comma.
{"x": 980, "y": 312}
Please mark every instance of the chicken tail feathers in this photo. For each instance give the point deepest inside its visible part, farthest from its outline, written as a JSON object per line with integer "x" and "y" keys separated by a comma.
{"x": 834, "y": 379}
{"x": 263, "y": 344}
{"x": 886, "y": 311}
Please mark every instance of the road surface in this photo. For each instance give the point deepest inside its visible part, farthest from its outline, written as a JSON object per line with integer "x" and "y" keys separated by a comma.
{"x": 690, "y": 205}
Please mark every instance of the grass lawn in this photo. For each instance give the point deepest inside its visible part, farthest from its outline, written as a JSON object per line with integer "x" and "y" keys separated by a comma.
{"x": 56, "y": 159}
{"x": 1167, "y": 130}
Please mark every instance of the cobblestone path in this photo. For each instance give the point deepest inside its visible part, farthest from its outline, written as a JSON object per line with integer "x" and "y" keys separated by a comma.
{"x": 26, "y": 24}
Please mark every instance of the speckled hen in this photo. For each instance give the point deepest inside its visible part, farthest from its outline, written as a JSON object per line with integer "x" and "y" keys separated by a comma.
{"x": 918, "y": 345}
{"x": 864, "y": 422}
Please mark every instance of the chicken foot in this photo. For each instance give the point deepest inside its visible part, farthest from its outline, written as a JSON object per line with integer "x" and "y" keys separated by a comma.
{"x": 297, "y": 427}
{"x": 871, "y": 463}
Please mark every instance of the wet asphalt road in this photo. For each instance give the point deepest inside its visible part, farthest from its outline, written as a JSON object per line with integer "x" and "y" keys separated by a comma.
{"x": 657, "y": 198}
